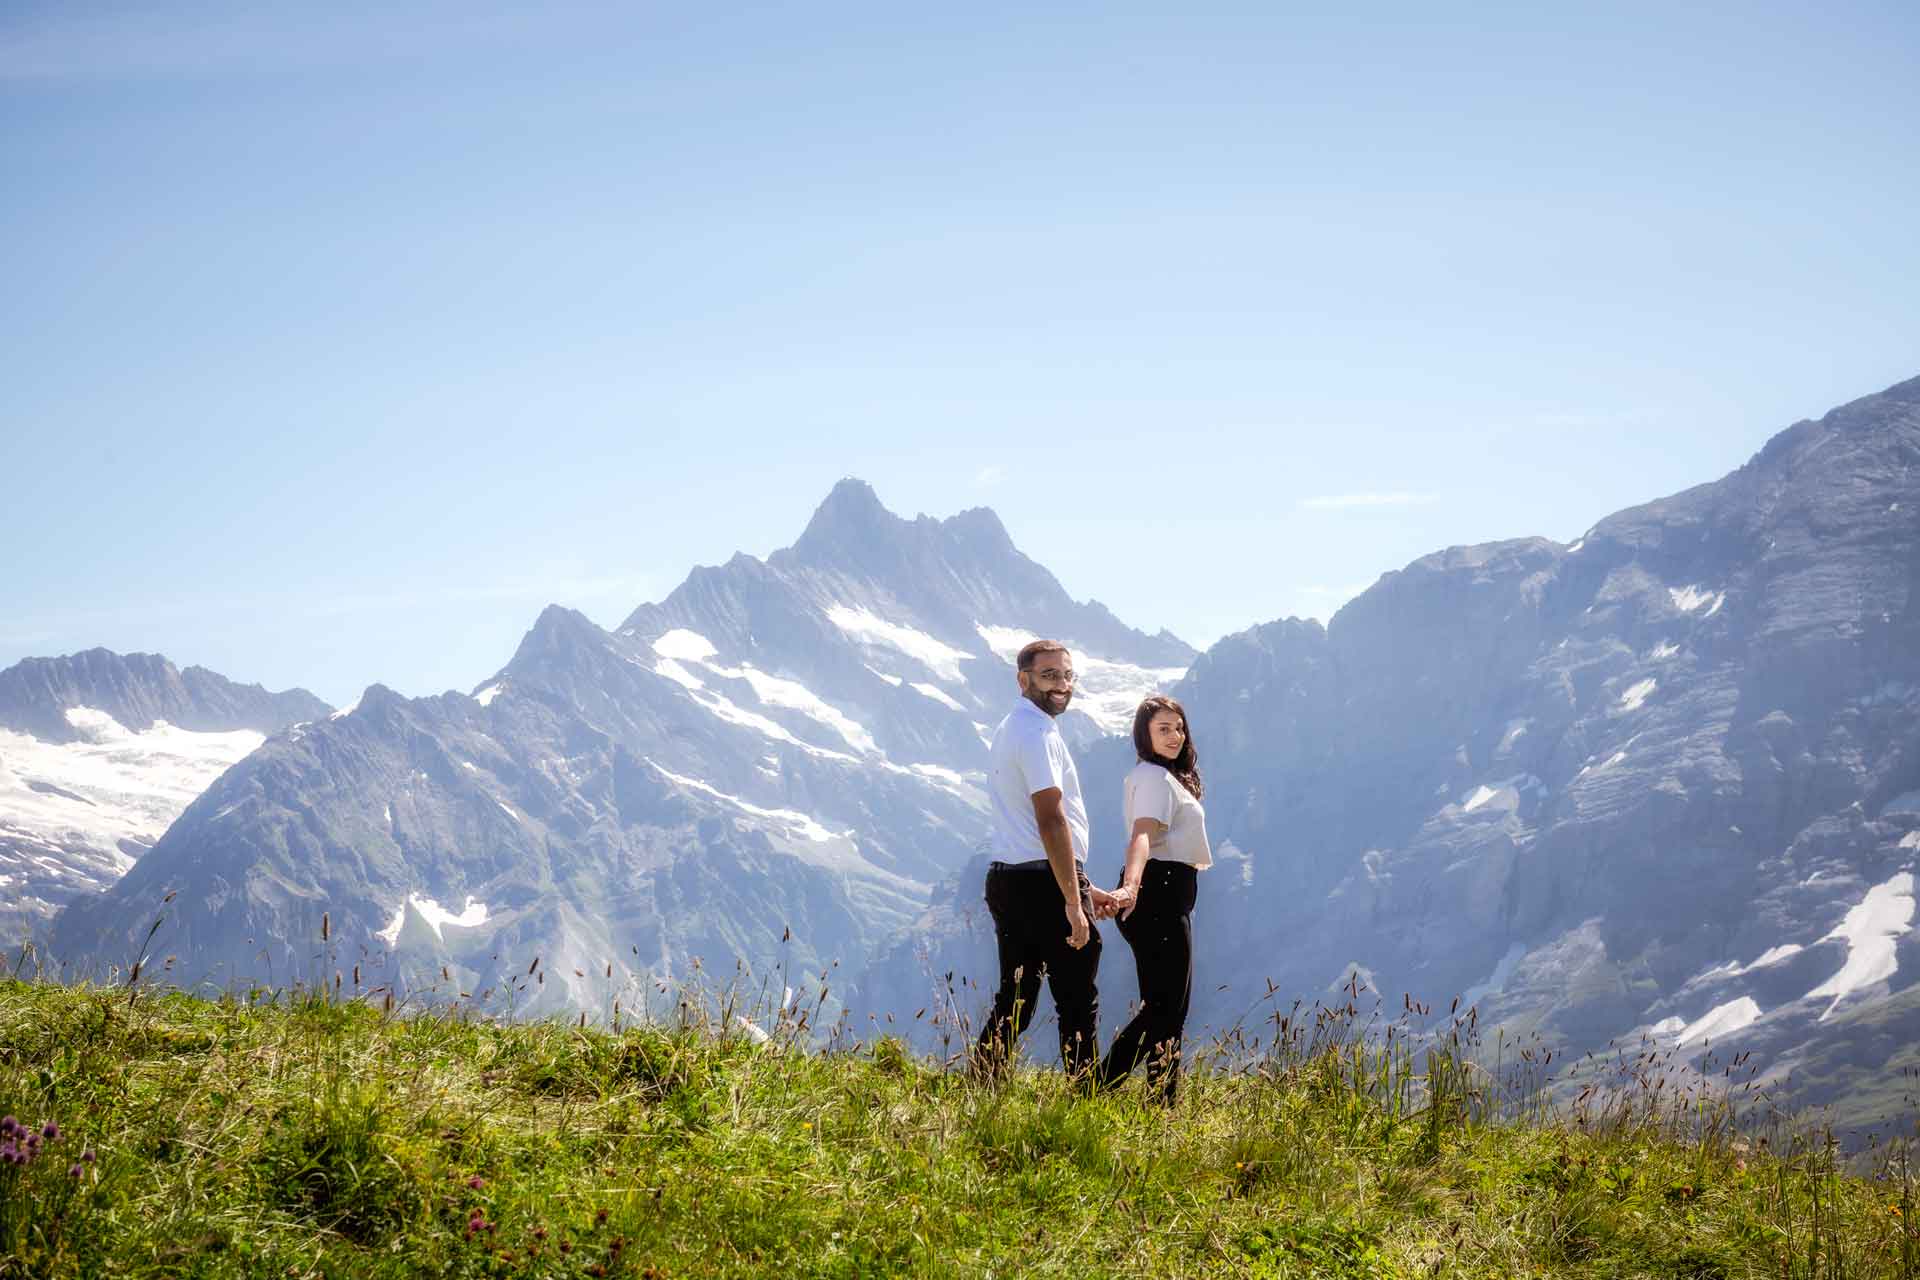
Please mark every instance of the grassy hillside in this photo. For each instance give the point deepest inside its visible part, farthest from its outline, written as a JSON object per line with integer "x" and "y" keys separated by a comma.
{"x": 305, "y": 1136}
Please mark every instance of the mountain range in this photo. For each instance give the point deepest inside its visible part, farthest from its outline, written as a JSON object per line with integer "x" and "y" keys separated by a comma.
{"x": 772, "y": 766}
{"x": 1660, "y": 784}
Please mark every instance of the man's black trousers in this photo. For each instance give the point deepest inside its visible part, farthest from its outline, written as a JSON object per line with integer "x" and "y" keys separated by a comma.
{"x": 1160, "y": 931}
{"x": 1030, "y": 924}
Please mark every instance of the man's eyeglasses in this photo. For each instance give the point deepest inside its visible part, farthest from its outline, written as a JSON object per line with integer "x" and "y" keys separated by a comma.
{"x": 1053, "y": 675}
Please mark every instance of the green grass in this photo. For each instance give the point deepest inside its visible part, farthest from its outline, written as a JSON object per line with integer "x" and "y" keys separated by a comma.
{"x": 306, "y": 1137}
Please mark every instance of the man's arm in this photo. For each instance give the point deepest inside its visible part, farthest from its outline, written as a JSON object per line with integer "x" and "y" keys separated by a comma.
{"x": 1057, "y": 839}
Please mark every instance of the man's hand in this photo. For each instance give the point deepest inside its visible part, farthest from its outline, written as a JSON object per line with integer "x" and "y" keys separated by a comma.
{"x": 1126, "y": 898}
{"x": 1105, "y": 905}
{"x": 1080, "y": 930}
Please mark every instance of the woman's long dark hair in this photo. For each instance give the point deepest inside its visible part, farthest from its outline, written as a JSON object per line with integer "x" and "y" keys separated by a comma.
{"x": 1185, "y": 766}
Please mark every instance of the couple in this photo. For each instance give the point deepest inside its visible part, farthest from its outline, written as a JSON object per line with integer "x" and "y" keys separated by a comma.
{"x": 1043, "y": 904}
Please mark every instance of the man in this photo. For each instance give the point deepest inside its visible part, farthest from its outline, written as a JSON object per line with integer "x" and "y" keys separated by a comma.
{"x": 1042, "y": 903}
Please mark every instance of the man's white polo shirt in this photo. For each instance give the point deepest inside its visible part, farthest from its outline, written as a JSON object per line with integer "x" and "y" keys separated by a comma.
{"x": 1028, "y": 755}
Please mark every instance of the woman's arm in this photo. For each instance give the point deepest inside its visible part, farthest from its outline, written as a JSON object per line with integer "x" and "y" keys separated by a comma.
{"x": 1144, "y": 829}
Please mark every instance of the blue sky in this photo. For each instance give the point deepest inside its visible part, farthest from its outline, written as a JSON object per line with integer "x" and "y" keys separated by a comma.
{"x": 341, "y": 338}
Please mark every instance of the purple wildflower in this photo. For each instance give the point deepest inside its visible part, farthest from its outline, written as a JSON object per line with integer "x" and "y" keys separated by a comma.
{"x": 50, "y": 1131}
{"x": 86, "y": 1157}
{"x": 476, "y": 1182}
{"x": 7, "y": 1125}
{"x": 76, "y": 1169}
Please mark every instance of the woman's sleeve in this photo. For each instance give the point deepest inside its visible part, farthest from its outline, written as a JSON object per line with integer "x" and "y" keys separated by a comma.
{"x": 1150, "y": 796}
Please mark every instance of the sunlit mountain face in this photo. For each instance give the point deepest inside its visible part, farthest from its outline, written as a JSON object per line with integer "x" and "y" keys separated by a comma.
{"x": 1660, "y": 785}
{"x": 99, "y": 753}
{"x": 772, "y": 767}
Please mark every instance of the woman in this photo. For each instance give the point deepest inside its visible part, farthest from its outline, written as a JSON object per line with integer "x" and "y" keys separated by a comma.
{"x": 1166, "y": 851}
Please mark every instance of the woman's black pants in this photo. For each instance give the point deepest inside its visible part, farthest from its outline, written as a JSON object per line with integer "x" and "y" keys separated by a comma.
{"x": 1160, "y": 931}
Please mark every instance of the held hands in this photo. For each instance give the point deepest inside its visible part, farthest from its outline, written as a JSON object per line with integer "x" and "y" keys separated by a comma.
{"x": 1105, "y": 907}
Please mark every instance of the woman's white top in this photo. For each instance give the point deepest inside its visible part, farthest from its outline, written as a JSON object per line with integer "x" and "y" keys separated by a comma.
{"x": 1152, "y": 792}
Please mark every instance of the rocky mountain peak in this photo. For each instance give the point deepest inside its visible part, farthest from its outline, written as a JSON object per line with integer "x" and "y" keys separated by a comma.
{"x": 849, "y": 517}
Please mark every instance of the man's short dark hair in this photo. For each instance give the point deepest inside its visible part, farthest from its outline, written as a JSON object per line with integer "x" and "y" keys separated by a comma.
{"x": 1031, "y": 652}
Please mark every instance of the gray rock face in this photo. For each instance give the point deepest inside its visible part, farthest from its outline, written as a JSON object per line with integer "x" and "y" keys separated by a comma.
{"x": 136, "y": 689}
{"x": 1665, "y": 780}
{"x": 770, "y": 767}
{"x": 99, "y": 752}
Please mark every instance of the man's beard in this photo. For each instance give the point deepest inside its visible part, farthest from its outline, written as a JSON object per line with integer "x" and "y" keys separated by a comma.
{"x": 1043, "y": 699}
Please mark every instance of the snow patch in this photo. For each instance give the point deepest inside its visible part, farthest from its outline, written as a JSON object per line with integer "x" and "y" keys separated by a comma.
{"x": 895, "y": 681}
{"x": 1688, "y": 599}
{"x": 1723, "y": 1020}
{"x": 1503, "y": 797}
{"x": 346, "y": 711}
{"x": 937, "y": 656}
{"x": 676, "y": 648}
{"x": 1108, "y": 693}
{"x": 82, "y": 799}
{"x": 794, "y": 696}
{"x": 1870, "y": 931}
{"x": 678, "y": 674}
{"x": 1773, "y": 955}
{"x": 1005, "y": 642}
{"x": 939, "y": 695}
{"x": 1608, "y": 763}
{"x": 98, "y": 726}
{"x": 436, "y": 917}
{"x": 508, "y": 810}
{"x": 1662, "y": 651}
{"x": 689, "y": 646}
{"x": 1515, "y": 730}
{"x": 732, "y": 713}
{"x": 486, "y": 696}
{"x": 1911, "y": 840}
{"x": 1636, "y": 695}
{"x": 800, "y": 822}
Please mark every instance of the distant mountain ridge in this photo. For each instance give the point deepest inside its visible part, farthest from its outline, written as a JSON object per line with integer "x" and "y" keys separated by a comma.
{"x": 136, "y": 689}
{"x": 772, "y": 765}
{"x": 99, "y": 753}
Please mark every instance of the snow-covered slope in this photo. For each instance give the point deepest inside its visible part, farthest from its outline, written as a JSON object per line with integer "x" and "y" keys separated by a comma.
{"x": 83, "y": 793}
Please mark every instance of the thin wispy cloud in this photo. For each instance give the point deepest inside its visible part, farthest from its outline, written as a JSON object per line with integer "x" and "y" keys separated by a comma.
{"x": 1350, "y": 501}
{"x": 987, "y": 477}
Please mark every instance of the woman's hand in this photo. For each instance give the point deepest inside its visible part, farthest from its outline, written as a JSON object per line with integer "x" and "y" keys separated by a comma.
{"x": 1126, "y": 897}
